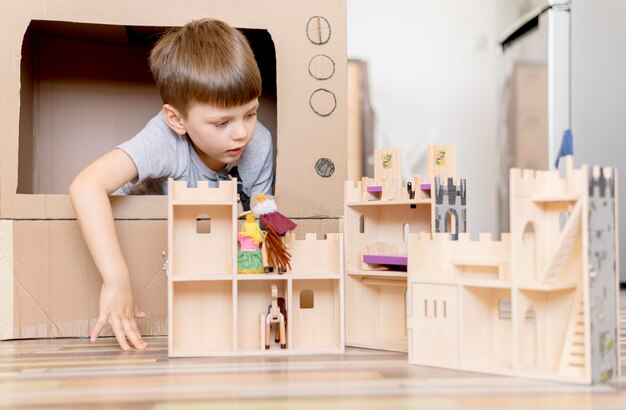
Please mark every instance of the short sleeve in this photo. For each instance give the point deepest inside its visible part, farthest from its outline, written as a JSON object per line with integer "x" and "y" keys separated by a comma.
{"x": 153, "y": 150}
{"x": 256, "y": 166}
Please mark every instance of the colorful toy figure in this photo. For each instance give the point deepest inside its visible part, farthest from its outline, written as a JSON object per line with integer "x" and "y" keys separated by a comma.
{"x": 249, "y": 257}
{"x": 276, "y": 225}
{"x": 386, "y": 160}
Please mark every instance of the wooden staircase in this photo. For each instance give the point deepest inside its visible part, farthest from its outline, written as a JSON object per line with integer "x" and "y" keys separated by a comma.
{"x": 573, "y": 353}
{"x": 567, "y": 240}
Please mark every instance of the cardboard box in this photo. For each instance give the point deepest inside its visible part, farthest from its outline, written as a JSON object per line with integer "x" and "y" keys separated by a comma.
{"x": 75, "y": 83}
{"x": 50, "y": 286}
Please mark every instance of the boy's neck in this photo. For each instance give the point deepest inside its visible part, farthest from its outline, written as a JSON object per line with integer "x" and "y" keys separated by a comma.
{"x": 211, "y": 163}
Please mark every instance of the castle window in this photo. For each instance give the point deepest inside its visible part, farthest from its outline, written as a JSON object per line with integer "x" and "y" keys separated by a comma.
{"x": 203, "y": 224}
{"x": 307, "y": 299}
{"x": 451, "y": 223}
{"x": 504, "y": 309}
{"x": 405, "y": 232}
{"x": 362, "y": 224}
{"x": 563, "y": 220}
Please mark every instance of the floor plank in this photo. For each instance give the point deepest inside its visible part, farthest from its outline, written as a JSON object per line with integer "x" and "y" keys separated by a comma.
{"x": 73, "y": 373}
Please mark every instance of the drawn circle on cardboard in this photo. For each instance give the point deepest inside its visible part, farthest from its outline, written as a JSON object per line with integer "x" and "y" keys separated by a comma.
{"x": 321, "y": 67}
{"x": 318, "y": 30}
{"x": 324, "y": 167}
{"x": 323, "y": 102}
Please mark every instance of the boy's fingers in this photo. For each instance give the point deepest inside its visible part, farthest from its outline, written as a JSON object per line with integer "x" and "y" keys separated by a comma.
{"x": 118, "y": 330}
{"x": 133, "y": 334}
{"x": 133, "y": 323}
{"x": 102, "y": 321}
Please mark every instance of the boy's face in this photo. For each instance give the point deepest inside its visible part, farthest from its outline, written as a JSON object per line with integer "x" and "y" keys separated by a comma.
{"x": 219, "y": 135}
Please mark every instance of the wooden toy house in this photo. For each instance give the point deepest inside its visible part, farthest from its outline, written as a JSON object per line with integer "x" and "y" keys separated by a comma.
{"x": 524, "y": 305}
{"x": 379, "y": 215}
{"x": 213, "y": 310}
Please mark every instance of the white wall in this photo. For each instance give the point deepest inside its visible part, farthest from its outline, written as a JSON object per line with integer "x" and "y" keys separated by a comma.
{"x": 432, "y": 80}
{"x": 599, "y": 92}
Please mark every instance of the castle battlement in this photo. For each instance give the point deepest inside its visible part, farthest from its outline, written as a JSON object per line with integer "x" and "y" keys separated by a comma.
{"x": 313, "y": 255}
{"x": 226, "y": 191}
{"x": 531, "y": 183}
{"x": 352, "y": 191}
{"x": 446, "y": 191}
{"x": 602, "y": 182}
{"x": 463, "y": 238}
{"x": 312, "y": 239}
{"x": 440, "y": 256}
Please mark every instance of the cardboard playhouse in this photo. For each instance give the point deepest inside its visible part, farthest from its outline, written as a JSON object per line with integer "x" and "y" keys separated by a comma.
{"x": 75, "y": 83}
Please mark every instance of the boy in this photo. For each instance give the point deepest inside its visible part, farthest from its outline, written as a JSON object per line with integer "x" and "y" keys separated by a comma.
{"x": 210, "y": 84}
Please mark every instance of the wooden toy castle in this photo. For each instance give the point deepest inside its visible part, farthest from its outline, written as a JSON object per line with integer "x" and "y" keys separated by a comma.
{"x": 541, "y": 302}
{"x": 523, "y": 305}
{"x": 213, "y": 310}
{"x": 379, "y": 216}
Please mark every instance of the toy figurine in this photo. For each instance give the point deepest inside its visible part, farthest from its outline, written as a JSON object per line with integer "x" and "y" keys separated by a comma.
{"x": 249, "y": 258}
{"x": 276, "y": 314}
{"x": 276, "y": 225}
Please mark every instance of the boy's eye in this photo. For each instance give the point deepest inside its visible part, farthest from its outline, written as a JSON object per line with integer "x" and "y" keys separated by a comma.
{"x": 250, "y": 115}
{"x": 221, "y": 124}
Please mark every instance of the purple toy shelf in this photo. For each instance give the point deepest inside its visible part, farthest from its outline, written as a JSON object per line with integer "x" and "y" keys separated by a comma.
{"x": 424, "y": 187}
{"x": 385, "y": 260}
{"x": 375, "y": 188}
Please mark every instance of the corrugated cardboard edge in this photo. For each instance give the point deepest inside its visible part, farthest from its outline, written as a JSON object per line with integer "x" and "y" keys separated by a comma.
{"x": 6, "y": 279}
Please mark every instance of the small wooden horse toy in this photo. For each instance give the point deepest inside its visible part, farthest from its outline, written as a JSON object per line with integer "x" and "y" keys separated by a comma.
{"x": 276, "y": 313}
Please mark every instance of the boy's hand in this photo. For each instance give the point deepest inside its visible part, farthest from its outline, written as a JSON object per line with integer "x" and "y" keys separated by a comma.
{"x": 116, "y": 308}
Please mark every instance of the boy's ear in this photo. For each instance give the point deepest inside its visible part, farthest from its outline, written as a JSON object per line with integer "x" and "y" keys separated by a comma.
{"x": 174, "y": 119}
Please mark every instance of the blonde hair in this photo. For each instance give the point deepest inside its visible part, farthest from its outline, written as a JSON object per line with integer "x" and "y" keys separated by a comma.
{"x": 205, "y": 61}
{"x": 251, "y": 229}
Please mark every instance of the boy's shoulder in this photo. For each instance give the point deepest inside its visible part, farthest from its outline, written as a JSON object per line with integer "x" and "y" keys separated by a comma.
{"x": 259, "y": 148}
{"x": 262, "y": 138}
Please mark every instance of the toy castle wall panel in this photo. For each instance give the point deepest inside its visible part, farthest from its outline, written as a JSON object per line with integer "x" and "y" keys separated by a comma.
{"x": 487, "y": 328}
{"x": 604, "y": 272}
{"x": 316, "y": 326}
{"x": 434, "y": 315}
{"x": 441, "y": 160}
{"x": 465, "y": 258}
{"x": 305, "y": 255}
{"x": 375, "y": 307}
{"x": 185, "y": 194}
{"x": 542, "y": 353}
{"x": 318, "y": 226}
{"x": 369, "y": 227}
{"x": 200, "y": 232}
{"x": 253, "y": 298}
{"x": 50, "y": 286}
{"x": 201, "y": 314}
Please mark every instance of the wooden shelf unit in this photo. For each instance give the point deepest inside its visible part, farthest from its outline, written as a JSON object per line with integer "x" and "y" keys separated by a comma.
{"x": 214, "y": 311}
{"x": 379, "y": 215}
{"x": 375, "y": 294}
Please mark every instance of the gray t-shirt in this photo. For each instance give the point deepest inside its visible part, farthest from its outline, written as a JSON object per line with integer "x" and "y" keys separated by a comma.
{"x": 159, "y": 153}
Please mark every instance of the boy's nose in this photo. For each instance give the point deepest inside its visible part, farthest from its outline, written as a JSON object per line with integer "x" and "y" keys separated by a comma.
{"x": 240, "y": 133}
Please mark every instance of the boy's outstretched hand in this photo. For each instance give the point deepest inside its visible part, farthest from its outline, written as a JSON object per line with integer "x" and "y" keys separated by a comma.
{"x": 117, "y": 308}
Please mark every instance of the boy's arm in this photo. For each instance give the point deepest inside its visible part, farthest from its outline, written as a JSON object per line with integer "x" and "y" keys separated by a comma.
{"x": 89, "y": 193}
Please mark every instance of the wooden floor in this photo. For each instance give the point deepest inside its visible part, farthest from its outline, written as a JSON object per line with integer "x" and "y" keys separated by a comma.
{"x": 72, "y": 373}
